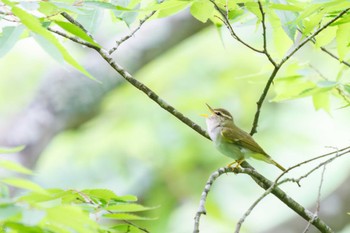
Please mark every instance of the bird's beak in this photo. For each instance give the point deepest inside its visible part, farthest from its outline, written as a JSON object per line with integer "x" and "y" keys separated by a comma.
{"x": 206, "y": 115}
{"x": 211, "y": 110}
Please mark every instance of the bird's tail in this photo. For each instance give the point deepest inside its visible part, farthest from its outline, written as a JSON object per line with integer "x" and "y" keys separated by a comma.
{"x": 277, "y": 165}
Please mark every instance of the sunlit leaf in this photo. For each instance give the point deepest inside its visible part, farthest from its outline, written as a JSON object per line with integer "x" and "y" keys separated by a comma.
{"x": 128, "y": 207}
{"x": 124, "y": 216}
{"x": 24, "y": 184}
{"x": 343, "y": 40}
{"x": 77, "y": 31}
{"x": 202, "y": 10}
{"x": 321, "y": 101}
{"x": 168, "y": 8}
{"x": 253, "y": 7}
{"x": 10, "y": 150}
{"x": 34, "y": 25}
{"x": 326, "y": 36}
{"x": 12, "y": 166}
{"x": 71, "y": 217}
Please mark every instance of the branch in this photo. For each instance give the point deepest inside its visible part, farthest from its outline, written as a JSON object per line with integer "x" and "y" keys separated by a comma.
{"x": 278, "y": 66}
{"x": 264, "y": 35}
{"x": 272, "y": 187}
{"x": 318, "y": 202}
{"x": 226, "y": 21}
{"x": 201, "y": 210}
{"x": 132, "y": 33}
{"x": 276, "y": 183}
{"x": 262, "y": 98}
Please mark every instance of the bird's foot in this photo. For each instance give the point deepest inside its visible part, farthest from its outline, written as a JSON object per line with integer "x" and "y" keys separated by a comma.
{"x": 237, "y": 162}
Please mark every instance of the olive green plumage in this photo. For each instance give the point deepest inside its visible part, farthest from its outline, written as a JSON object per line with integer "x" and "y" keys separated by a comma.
{"x": 232, "y": 141}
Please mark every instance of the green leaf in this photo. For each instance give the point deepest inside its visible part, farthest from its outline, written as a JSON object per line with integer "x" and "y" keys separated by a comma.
{"x": 343, "y": 40}
{"x": 325, "y": 37}
{"x": 4, "y": 150}
{"x": 32, "y": 23}
{"x": 12, "y": 166}
{"x": 253, "y": 7}
{"x": 284, "y": 7}
{"x": 347, "y": 88}
{"x": 168, "y": 8}
{"x": 72, "y": 218}
{"x": 49, "y": 48}
{"x": 290, "y": 87}
{"x": 321, "y": 101}
{"x": 202, "y": 10}
{"x": 128, "y": 207}
{"x": 123, "y": 216}
{"x": 77, "y": 31}
{"x": 9, "y": 37}
{"x": 24, "y": 184}
{"x": 20, "y": 227}
{"x": 281, "y": 40}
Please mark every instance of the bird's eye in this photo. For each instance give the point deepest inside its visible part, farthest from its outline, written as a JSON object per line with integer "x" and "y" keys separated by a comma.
{"x": 218, "y": 113}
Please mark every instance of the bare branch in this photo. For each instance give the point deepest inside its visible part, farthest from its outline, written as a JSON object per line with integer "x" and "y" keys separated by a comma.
{"x": 131, "y": 34}
{"x": 226, "y": 21}
{"x": 272, "y": 187}
{"x": 318, "y": 202}
{"x": 264, "y": 35}
{"x": 262, "y": 98}
{"x": 201, "y": 210}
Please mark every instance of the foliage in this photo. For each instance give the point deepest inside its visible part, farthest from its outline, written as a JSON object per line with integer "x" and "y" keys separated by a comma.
{"x": 290, "y": 22}
{"x": 56, "y": 210}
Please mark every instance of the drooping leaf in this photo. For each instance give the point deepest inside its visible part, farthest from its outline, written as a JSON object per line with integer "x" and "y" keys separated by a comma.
{"x": 77, "y": 31}
{"x": 33, "y": 24}
{"x": 124, "y": 216}
{"x": 11, "y": 150}
{"x": 70, "y": 217}
{"x": 321, "y": 101}
{"x": 202, "y": 10}
{"x": 9, "y": 37}
{"x": 128, "y": 207}
{"x": 343, "y": 40}
{"x": 24, "y": 184}
{"x": 12, "y": 166}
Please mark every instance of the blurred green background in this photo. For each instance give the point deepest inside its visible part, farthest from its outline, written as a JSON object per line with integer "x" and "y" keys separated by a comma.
{"x": 135, "y": 147}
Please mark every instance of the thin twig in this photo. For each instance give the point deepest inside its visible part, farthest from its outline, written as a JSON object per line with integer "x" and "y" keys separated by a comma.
{"x": 226, "y": 21}
{"x": 262, "y": 98}
{"x": 201, "y": 210}
{"x": 73, "y": 21}
{"x": 337, "y": 88}
{"x": 318, "y": 202}
{"x": 131, "y": 34}
{"x": 334, "y": 56}
{"x": 276, "y": 183}
{"x": 72, "y": 38}
{"x": 264, "y": 35}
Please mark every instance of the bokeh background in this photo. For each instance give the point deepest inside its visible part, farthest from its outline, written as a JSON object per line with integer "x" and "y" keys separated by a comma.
{"x": 132, "y": 146}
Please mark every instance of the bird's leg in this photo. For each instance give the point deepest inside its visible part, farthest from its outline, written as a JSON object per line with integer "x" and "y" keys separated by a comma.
{"x": 237, "y": 165}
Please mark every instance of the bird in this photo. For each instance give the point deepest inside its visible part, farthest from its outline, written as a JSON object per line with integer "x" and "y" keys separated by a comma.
{"x": 232, "y": 141}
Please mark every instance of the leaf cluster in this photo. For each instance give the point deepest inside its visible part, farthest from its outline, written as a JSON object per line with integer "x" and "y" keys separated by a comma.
{"x": 43, "y": 210}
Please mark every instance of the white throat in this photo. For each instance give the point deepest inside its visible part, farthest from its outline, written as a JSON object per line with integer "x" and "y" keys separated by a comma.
{"x": 214, "y": 128}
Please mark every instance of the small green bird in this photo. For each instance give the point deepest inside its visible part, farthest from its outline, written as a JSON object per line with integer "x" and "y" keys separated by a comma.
{"x": 232, "y": 141}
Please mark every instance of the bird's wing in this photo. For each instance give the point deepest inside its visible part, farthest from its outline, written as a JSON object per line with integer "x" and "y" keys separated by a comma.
{"x": 241, "y": 138}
